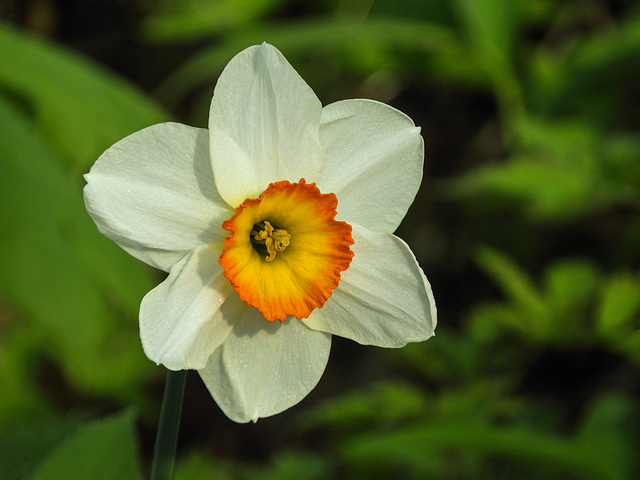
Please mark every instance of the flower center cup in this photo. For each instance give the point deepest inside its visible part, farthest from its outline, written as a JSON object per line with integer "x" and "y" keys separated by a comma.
{"x": 286, "y": 251}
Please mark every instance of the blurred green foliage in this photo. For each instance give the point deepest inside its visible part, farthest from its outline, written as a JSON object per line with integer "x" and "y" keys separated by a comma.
{"x": 102, "y": 449}
{"x": 527, "y": 225}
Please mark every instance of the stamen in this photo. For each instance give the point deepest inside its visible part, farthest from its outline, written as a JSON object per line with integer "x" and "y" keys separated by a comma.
{"x": 274, "y": 239}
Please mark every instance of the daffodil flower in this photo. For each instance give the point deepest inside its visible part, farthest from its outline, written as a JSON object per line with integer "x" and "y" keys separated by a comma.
{"x": 275, "y": 226}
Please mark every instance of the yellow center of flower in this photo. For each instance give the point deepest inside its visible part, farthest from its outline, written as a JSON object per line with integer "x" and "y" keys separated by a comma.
{"x": 286, "y": 251}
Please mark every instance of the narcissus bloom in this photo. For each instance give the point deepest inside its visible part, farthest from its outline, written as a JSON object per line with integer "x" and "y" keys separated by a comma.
{"x": 275, "y": 226}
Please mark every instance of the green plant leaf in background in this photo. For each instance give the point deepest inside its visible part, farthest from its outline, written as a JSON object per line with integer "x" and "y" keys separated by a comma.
{"x": 619, "y": 305}
{"x": 26, "y": 442}
{"x": 618, "y": 313}
{"x": 591, "y": 79}
{"x": 610, "y": 427}
{"x": 285, "y": 465}
{"x": 563, "y": 170}
{"x": 558, "y": 311}
{"x": 60, "y": 272}
{"x": 569, "y": 288}
{"x": 301, "y": 37}
{"x": 491, "y": 29}
{"x": 385, "y": 404}
{"x": 193, "y": 19}
{"x": 102, "y": 450}
{"x": 78, "y": 292}
{"x": 78, "y": 109}
{"x": 512, "y": 279}
{"x": 575, "y": 305}
{"x": 441, "y": 446}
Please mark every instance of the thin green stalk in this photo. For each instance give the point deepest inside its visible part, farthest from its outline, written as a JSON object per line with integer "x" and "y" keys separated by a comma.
{"x": 167, "y": 437}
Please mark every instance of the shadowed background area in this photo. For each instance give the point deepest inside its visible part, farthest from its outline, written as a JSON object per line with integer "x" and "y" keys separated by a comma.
{"x": 527, "y": 225}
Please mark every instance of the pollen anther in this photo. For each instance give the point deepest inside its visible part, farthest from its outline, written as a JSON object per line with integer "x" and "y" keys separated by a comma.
{"x": 274, "y": 239}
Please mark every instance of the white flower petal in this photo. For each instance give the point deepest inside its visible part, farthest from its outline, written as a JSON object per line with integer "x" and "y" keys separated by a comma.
{"x": 263, "y": 124}
{"x": 374, "y": 159}
{"x": 265, "y": 367}
{"x": 185, "y": 318}
{"x": 153, "y": 194}
{"x": 383, "y": 298}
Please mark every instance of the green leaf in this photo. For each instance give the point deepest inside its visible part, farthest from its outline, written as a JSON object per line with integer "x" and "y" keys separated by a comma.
{"x": 431, "y": 11}
{"x": 194, "y": 19}
{"x": 541, "y": 190}
{"x": 103, "y": 450}
{"x": 79, "y": 289}
{"x": 630, "y": 345}
{"x": 512, "y": 279}
{"x": 562, "y": 170}
{"x": 610, "y": 427}
{"x": 491, "y": 26}
{"x": 22, "y": 398}
{"x": 291, "y": 465}
{"x": 26, "y": 443}
{"x": 302, "y": 37}
{"x": 489, "y": 321}
{"x": 569, "y": 290}
{"x": 201, "y": 465}
{"x": 78, "y": 108}
{"x": 419, "y": 448}
{"x": 592, "y": 79}
{"x": 385, "y": 403}
{"x": 528, "y": 311}
{"x": 619, "y": 305}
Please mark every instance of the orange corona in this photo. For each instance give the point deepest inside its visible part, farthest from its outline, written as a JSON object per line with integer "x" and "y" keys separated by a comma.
{"x": 286, "y": 251}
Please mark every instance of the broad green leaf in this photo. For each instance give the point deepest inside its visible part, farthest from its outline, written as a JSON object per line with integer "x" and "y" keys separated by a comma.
{"x": 383, "y": 404}
{"x": 452, "y": 358}
{"x": 491, "y": 27}
{"x": 302, "y": 37}
{"x": 21, "y": 397}
{"x": 568, "y": 143}
{"x": 291, "y": 465}
{"x": 542, "y": 190}
{"x": 589, "y": 79}
{"x": 194, "y": 19}
{"x": 80, "y": 290}
{"x": 527, "y": 311}
{"x": 489, "y": 321}
{"x": 630, "y": 345}
{"x": 562, "y": 170}
{"x": 491, "y": 30}
{"x": 619, "y": 311}
{"x": 569, "y": 290}
{"x": 201, "y": 465}
{"x": 622, "y": 167}
{"x": 78, "y": 108}
{"x": 284, "y": 465}
{"x": 27, "y": 442}
{"x": 431, "y": 11}
{"x": 518, "y": 445}
{"x": 102, "y": 450}
{"x": 609, "y": 428}
{"x": 512, "y": 279}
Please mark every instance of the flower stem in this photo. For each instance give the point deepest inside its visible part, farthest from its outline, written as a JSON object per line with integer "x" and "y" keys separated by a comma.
{"x": 167, "y": 437}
